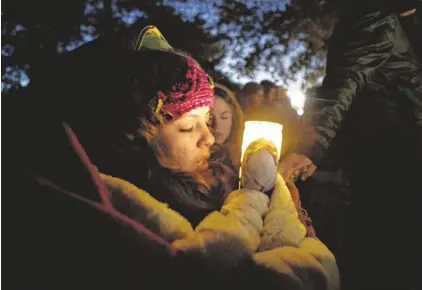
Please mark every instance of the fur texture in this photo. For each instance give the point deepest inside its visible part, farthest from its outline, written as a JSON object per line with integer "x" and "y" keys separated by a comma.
{"x": 282, "y": 226}
{"x": 142, "y": 207}
{"x": 230, "y": 238}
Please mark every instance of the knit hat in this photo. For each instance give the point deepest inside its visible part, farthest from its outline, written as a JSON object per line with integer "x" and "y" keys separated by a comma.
{"x": 195, "y": 91}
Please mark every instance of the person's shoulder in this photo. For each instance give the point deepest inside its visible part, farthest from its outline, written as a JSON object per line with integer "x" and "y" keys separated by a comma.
{"x": 145, "y": 209}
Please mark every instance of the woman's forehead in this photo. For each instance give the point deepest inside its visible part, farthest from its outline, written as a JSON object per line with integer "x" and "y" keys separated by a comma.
{"x": 198, "y": 112}
{"x": 221, "y": 104}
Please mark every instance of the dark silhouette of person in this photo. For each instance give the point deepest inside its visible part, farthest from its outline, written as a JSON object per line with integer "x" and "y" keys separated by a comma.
{"x": 374, "y": 80}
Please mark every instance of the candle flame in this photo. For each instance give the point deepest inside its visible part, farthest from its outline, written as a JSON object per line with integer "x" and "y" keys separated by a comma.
{"x": 255, "y": 130}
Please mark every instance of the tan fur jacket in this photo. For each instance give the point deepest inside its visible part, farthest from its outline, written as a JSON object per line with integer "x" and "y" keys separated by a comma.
{"x": 249, "y": 227}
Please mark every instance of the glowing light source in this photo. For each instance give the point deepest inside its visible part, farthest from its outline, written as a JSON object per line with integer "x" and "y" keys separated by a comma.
{"x": 297, "y": 99}
{"x": 255, "y": 130}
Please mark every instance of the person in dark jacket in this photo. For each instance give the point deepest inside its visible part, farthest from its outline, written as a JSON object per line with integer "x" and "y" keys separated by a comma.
{"x": 368, "y": 47}
{"x": 374, "y": 80}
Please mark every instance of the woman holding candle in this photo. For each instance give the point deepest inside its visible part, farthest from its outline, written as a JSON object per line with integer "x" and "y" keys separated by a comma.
{"x": 159, "y": 212}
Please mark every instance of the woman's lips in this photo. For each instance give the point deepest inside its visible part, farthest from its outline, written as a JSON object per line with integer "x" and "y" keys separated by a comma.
{"x": 203, "y": 163}
{"x": 219, "y": 137}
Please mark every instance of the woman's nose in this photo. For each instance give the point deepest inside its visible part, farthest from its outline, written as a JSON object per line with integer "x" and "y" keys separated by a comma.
{"x": 207, "y": 137}
{"x": 215, "y": 123}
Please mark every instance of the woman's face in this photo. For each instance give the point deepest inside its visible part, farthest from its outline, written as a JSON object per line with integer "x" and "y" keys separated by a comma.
{"x": 188, "y": 141}
{"x": 222, "y": 120}
{"x": 257, "y": 98}
{"x": 276, "y": 95}
{"x": 272, "y": 96}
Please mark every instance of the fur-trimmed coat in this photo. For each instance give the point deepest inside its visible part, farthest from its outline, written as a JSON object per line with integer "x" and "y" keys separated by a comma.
{"x": 250, "y": 225}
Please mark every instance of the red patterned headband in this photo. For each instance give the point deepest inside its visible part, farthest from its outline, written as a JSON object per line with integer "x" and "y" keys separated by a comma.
{"x": 196, "y": 91}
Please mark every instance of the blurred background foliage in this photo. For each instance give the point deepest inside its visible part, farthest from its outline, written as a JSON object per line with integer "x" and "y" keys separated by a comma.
{"x": 283, "y": 38}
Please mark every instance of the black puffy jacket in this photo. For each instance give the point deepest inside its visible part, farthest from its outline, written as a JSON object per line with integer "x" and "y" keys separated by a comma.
{"x": 367, "y": 49}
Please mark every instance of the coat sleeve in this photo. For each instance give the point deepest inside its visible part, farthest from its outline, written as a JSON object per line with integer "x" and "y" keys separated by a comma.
{"x": 355, "y": 53}
{"x": 310, "y": 266}
{"x": 282, "y": 226}
{"x": 305, "y": 263}
{"x": 142, "y": 207}
{"x": 230, "y": 235}
{"x": 226, "y": 243}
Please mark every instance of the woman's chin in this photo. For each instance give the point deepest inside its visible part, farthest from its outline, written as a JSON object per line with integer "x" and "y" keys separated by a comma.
{"x": 219, "y": 141}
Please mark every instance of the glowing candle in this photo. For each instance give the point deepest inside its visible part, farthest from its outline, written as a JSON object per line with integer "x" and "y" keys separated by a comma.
{"x": 269, "y": 131}
{"x": 261, "y": 148}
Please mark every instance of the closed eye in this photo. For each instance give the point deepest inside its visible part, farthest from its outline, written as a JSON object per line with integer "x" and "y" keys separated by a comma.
{"x": 186, "y": 129}
{"x": 225, "y": 115}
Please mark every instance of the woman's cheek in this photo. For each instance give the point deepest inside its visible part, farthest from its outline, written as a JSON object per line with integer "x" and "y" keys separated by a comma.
{"x": 228, "y": 126}
{"x": 182, "y": 158}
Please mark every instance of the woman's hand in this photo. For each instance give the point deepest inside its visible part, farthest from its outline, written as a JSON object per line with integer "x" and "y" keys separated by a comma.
{"x": 295, "y": 166}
